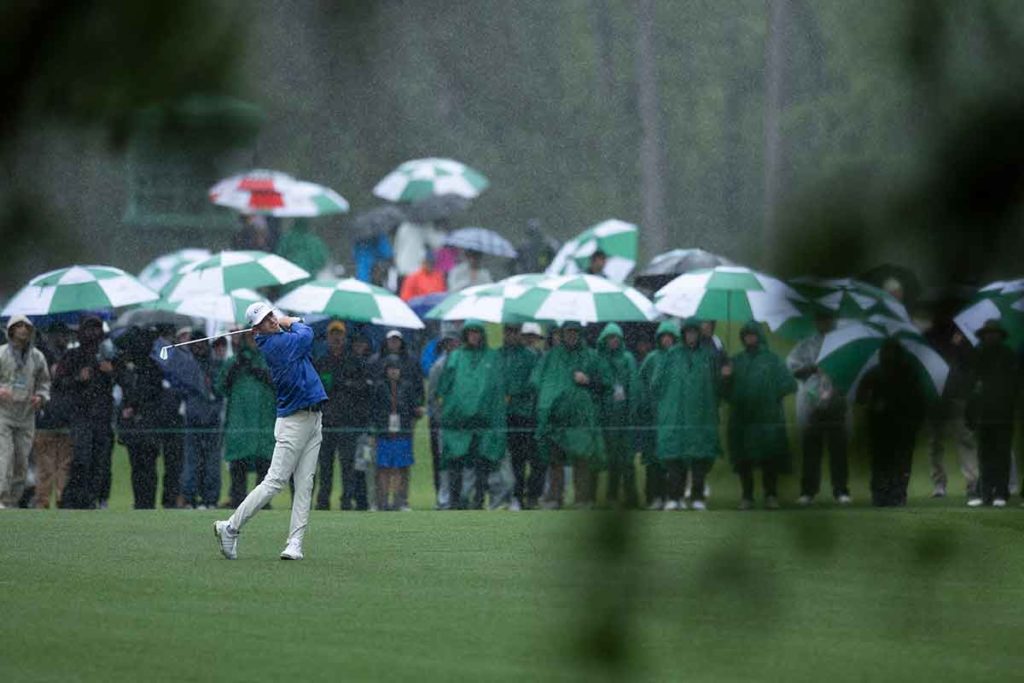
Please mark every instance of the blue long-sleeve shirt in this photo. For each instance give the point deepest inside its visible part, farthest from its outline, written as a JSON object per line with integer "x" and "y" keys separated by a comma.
{"x": 290, "y": 358}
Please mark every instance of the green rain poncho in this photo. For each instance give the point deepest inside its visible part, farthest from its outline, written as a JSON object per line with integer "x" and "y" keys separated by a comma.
{"x": 684, "y": 390}
{"x": 303, "y": 248}
{"x": 567, "y": 413}
{"x": 645, "y": 404}
{"x": 472, "y": 391}
{"x": 619, "y": 402}
{"x": 757, "y": 421}
{"x": 518, "y": 363}
{"x": 245, "y": 382}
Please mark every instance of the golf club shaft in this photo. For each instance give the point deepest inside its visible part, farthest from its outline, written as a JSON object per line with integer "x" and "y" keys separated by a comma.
{"x": 216, "y": 336}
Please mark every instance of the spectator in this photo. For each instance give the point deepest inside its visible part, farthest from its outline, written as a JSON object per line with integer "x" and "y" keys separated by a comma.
{"x": 685, "y": 389}
{"x": 426, "y": 280}
{"x": 394, "y": 345}
{"x": 52, "y": 448}
{"x": 656, "y": 493}
{"x": 245, "y": 384}
{"x": 369, "y": 252}
{"x": 755, "y": 384}
{"x": 141, "y": 381}
{"x": 395, "y": 409}
{"x": 170, "y": 424}
{"x": 569, "y": 382}
{"x": 991, "y": 410}
{"x": 86, "y": 376}
{"x": 947, "y": 418}
{"x": 618, "y": 413}
{"x": 597, "y": 262}
{"x": 821, "y": 417}
{"x": 24, "y": 390}
{"x": 194, "y": 377}
{"x": 896, "y": 407}
{"x": 518, "y": 361}
{"x": 469, "y": 272}
{"x": 473, "y": 421}
{"x": 349, "y": 385}
{"x": 303, "y": 248}
{"x": 442, "y": 477}
{"x": 413, "y": 244}
{"x": 713, "y": 343}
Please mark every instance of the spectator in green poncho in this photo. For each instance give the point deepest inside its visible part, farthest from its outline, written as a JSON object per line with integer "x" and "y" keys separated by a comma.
{"x": 473, "y": 423}
{"x": 244, "y": 381}
{"x": 303, "y": 248}
{"x": 666, "y": 337}
{"x": 518, "y": 362}
{"x": 569, "y": 382}
{"x": 756, "y": 384}
{"x": 685, "y": 390}
{"x": 618, "y": 414}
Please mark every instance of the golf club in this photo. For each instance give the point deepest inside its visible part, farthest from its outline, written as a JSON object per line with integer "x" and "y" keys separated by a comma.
{"x": 164, "y": 349}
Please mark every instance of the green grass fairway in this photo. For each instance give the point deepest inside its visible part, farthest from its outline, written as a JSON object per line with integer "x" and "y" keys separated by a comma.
{"x": 927, "y": 594}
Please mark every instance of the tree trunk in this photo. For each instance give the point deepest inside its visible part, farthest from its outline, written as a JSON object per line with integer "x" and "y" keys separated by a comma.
{"x": 652, "y": 140}
{"x": 774, "y": 65}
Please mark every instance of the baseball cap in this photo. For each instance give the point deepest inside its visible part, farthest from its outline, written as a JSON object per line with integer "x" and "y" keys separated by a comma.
{"x": 336, "y": 325}
{"x": 256, "y": 312}
{"x": 532, "y": 328}
{"x": 393, "y": 333}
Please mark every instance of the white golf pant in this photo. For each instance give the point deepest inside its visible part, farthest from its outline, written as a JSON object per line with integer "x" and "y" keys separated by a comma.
{"x": 297, "y": 452}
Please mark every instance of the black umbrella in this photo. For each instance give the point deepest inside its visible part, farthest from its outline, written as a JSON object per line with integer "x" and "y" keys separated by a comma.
{"x": 436, "y": 208}
{"x": 377, "y": 221}
{"x": 665, "y": 267}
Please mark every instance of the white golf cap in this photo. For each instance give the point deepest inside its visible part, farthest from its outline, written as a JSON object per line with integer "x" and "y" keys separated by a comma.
{"x": 532, "y": 328}
{"x": 393, "y": 333}
{"x": 257, "y": 312}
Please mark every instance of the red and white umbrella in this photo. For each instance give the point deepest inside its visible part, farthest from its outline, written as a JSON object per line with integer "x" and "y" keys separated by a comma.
{"x": 276, "y": 194}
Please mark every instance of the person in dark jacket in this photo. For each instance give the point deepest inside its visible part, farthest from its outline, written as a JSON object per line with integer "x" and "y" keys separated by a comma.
{"x": 518, "y": 361}
{"x": 896, "y": 407}
{"x": 394, "y": 345}
{"x": 141, "y": 380}
{"x": 86, "y": 376}
{"x": 991, "y": 410}
{"x": 346, "y": 378}
{"x": 394, "y": 411}
{"x": 169, "y": 424}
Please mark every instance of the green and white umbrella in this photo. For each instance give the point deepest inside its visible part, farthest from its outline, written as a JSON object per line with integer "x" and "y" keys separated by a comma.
{"x": 226, "y": 309}
{"x": 350, "y": 299}
{"x": 230, "y": 270}
{"x": 488, "y": 303}
{"x": 161, "y": 269}
{"x": 580, "y": 298}
{"x": 421, "y": 178}
{"x": 850, "y": 299}
{"x": 729, "y": 293}
{"x": 618, "y": 239}
{"x": 1002, "y": 301}
{"x": 78, "y": 288}
{"x": 852, "y": 349}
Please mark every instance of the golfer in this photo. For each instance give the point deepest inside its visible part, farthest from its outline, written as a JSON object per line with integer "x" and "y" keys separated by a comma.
{"x": 286, "y": 344}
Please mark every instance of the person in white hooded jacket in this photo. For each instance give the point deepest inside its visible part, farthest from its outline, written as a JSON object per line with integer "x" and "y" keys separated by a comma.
{"x": 24, "y": 389}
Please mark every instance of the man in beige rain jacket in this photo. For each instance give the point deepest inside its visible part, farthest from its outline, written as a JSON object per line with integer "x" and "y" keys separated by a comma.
{"x": 24, "y": 388}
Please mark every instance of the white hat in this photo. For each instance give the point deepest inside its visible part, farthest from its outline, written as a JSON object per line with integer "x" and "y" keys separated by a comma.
{"x": 532, "y": 328}
{"x": 393, "y": 333}
{"x": 257, "y": 312}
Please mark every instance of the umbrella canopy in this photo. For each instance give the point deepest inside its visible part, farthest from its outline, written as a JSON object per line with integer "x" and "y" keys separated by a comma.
{"x": 161, "y": 269}
{"x": 483, "y": 240}
{"x": 230, "y": 270}
{"x": 351, "y": 299}
{"x": 147, "y": 315}
{"x": 78, "y": 288}
{"x": 889, "y": 274}
{"x": 1003, "y": 301}
{"x": 580, "y": 298}
{"x": 227, "y": 308}
{"x": 276, "y": 194}
{"x": 379, "y": 220}
{"x": 850, "y": 299}
{"x": 729, "y": 293}
{"x": 421, "y": 305}
{"x": 618, "y": 239}
{"x": 421, "y": 178}
{"x": 488, "y": 303}
{"x": 679, "y": 261}
{"x": 851, "y": 350}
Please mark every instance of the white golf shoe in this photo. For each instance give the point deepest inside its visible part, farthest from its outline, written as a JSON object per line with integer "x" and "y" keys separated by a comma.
{"x": 974, "y": 502}
{"x": 227, "y": 538}
{"x": 292, "y": 551}
{"x": 999, "y": 503}
{"x": 698, "y": 505}
{"x": 805, "y": 500}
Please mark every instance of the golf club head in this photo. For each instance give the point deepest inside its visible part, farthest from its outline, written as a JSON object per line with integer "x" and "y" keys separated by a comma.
{"x": 163, "y": 352}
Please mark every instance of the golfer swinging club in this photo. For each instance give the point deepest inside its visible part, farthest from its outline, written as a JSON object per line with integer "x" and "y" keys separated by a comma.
{"x": 286, "y": 344}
